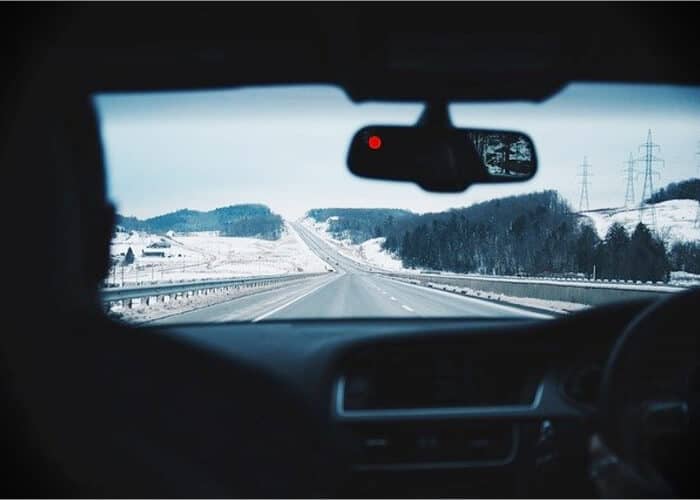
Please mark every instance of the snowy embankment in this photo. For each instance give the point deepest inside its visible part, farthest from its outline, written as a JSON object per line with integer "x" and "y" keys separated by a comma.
{"x": 369, "y": 252}
{"x": 372, "y": 252}
{"x": 207, "y": 255}
{"x": 675, "y": 220}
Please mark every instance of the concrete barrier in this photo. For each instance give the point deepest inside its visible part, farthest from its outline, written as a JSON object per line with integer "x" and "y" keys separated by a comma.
{"x": 580, "y": 293}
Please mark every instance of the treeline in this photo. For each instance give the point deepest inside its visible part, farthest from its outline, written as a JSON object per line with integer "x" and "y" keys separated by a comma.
{"x": 358, "y": 224}
{"x": 529, "y": 234}
{"x": 685, "y": 256}
{"x": 251, "y": 220}
{"x": 640, "y": 256}
{"x": 536, "y": 235}
{"x": 268, "y": 227}
{"x": 684, "y": 190}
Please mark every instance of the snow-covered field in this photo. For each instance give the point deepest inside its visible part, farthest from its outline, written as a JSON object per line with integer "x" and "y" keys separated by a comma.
{"x": 675, "y": 220}
{"x": 206, "y": 255}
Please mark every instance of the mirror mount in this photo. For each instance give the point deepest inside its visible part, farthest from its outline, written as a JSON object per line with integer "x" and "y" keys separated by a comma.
{"x": 435, "y": 116}
{"x": 440, "y": 157}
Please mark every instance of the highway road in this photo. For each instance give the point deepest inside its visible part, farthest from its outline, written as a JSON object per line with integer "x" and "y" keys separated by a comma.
{"x": 353, "y": 290}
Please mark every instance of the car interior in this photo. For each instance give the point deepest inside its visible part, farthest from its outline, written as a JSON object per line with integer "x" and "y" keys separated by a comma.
{"x": 313, "y": 407}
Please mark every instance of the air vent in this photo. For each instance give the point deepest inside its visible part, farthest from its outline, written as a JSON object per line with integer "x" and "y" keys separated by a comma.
{"x": 435, "y": 378}
{"x": 405, "y": 444}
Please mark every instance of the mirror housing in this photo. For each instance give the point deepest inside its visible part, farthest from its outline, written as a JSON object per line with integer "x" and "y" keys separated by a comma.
{"x": 439, "y": 157}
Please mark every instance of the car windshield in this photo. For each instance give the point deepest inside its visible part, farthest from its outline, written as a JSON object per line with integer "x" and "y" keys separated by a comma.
{"x": 237, "y": 205}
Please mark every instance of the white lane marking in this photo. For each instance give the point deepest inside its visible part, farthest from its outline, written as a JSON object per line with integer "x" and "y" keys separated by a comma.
{"x": 392, "y": 298}
{"x": 512, "y": 309}
{"x": 228, "y": 302}
{"x": 278, "y": 309}
{"x": 407, "y": 308}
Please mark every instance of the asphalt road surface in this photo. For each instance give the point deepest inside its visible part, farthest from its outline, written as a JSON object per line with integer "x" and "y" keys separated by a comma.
{"x": 352, "y": 291}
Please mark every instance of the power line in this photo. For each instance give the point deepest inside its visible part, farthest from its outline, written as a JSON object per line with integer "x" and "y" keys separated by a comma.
{"x": 629, "y": 192}
{"x": 585, "y": 174}
{"x": 649, "y": 158}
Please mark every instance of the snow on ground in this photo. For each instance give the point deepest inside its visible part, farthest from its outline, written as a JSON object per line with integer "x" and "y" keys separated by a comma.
{"x": 207, "y": 255}
{"x": 675, "y": 220}
{"x": 369, "y": 252}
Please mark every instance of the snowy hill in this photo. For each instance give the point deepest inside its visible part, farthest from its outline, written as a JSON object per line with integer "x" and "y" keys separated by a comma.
{"x": 675, "y": 220}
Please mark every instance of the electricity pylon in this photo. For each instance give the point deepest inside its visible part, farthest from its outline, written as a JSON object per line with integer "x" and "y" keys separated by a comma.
{"x": 630, "y": 172}
{"x": 648, "y": 158}
{"x": 585, "y": 174}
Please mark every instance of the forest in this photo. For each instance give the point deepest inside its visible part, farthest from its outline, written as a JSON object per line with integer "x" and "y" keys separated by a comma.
{"x": 252, "y": 220}
{"x": 684, "y": 190}
{"x": 536, "y": 234}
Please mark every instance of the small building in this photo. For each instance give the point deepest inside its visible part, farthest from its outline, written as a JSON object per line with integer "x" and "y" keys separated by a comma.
{"x": 159, "y": 244}
{"x": 152, "y": 252}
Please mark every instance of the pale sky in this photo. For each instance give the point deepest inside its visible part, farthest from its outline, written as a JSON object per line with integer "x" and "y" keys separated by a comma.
{"x": 286, "y": 147}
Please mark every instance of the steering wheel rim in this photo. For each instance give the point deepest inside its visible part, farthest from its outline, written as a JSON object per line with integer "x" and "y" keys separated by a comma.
{"x": 628, "y": 355}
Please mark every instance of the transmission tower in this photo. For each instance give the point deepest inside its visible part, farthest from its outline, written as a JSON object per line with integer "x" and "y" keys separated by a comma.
{"x": 585, "y": 174}
{"x": 630, "y": 172}
{"x": 648, "y": 158}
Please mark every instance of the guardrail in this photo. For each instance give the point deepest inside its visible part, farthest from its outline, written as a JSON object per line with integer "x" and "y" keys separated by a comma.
{"x": 567, "y": 279}
{"x": 588, "y": 293}
{"x": 112, "y": 295}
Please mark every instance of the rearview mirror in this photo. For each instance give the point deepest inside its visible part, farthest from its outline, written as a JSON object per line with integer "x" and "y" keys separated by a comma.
{"x": 442, "y": 158}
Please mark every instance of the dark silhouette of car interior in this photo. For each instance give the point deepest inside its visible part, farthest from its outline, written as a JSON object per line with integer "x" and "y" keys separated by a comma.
{"x": 317, "y": 408}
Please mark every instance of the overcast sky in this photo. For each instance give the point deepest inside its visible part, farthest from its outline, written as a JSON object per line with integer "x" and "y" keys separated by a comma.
{"x": 286, "y": 146}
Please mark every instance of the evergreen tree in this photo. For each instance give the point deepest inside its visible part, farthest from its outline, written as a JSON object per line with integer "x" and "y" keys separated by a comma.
{"x": 647, "y": 258}
{"x": 129, "y": 257}
{"x": 585, "y": 248}
{"x": 613, "y": 257}
{"x": 685, "y": 256}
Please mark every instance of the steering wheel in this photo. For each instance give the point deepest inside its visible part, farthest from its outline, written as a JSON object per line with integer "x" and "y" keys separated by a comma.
{"x": 656, "y": 431}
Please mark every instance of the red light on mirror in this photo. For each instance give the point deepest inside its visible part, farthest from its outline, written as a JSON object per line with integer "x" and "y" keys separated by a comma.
{"x": 374, "y": 142}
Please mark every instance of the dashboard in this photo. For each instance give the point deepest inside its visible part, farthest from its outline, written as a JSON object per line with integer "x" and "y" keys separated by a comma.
{"x": 483, "y": 407}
